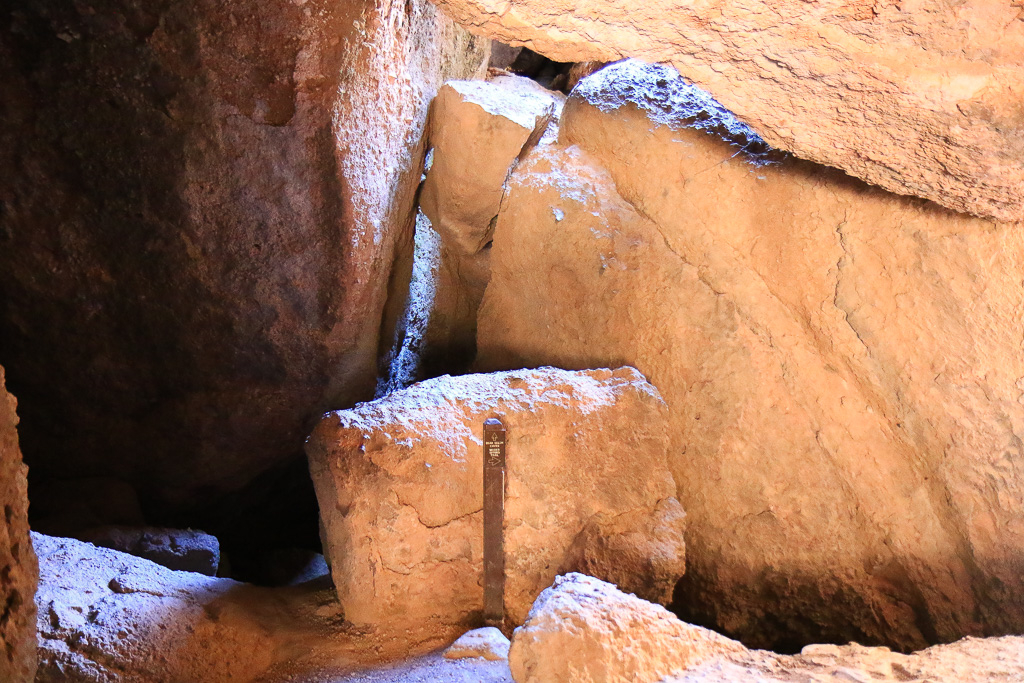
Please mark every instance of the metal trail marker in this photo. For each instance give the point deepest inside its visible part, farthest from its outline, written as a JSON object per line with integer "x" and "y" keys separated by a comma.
{"x": 494, "y": 516}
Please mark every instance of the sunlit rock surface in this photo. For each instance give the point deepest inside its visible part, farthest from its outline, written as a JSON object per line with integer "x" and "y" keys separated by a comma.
{"x": 843, "y": 366}
{"x": 477, "y": 132}
{"x": 399, "y": 482}
{"x": 582, "y": 629}
{"x": 487, "y": 643}
{"x": 18, "y": 569}
{"x": 913, "y": 97}
{"x": 478, "y": 129}
{"x": 197, "y": 224}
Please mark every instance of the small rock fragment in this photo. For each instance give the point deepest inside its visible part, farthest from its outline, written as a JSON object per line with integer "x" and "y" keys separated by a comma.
{"x": 488, "y": 642}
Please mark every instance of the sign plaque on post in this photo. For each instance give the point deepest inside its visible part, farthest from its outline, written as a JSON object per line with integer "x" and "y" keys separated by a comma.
{"x": 494, "y": 516}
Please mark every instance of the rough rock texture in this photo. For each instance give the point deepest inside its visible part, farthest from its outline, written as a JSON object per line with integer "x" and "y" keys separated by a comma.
{"x": 917, "y": 98}
{"x": 18, "y": 569}
{"x": 488, "y": 642}
{"x": 477, "y": 132}
{"x": 108, "y": 617}
{"x": 582, "y": 629}
{"x": 843, "y": 366}
{"x": 179, "y": 549}
{"x": 197, "y": 226}
{"x": 399, "y": 484}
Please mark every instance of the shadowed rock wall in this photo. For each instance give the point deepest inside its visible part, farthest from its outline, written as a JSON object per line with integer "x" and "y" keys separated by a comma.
{"x": 198, "y": 221}
{"x": 18, "y": 569}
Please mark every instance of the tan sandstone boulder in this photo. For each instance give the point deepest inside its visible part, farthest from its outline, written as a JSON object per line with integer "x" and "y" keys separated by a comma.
{"x": 582, "y": 629}
{"x": 478, "y": 129}
{"x": 399, "y": 482}
{"x": 18, "y": 569}
{"x": 843, "y": 366}
{"x": 918, "y": 98}
{"x": 198, "y": 223}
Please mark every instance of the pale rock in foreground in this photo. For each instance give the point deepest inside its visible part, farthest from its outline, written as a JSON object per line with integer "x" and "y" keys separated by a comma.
{"x": 399, "y": 482}
{"x": 842, "y": 366}
{"x": 106, "y": 616}
{"x": 918, "y": 98}
{"x": 488, "y": 643}
{"x": 18, "y": 568}
{"x": 582, "y": 629}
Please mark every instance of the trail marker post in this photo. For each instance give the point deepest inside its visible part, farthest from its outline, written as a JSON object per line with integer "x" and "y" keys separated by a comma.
{"x": 494, "y": 517}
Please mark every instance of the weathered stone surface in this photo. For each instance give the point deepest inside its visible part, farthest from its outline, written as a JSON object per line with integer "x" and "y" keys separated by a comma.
{"x": 583, "y": 629}
{"x": 478, "y": 130}
{"x": 108, "y": 616}
{"x": 843, "y": 366}
{"x": 399, "y": 484}
{"x": 185, "y": 550}
{"x": 918, "y": 99}
{"x": 488, "y": 643}
{"x": 197, "y": 226}
{"x": 18, "y": 569}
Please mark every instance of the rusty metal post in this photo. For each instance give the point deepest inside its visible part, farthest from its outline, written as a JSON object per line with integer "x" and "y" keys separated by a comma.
{"x": 494, "y": 517}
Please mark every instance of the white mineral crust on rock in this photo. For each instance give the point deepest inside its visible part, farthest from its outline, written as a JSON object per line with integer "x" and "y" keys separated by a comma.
{"x": 582, "y": 629}
{"x": 487, "y": 643}
{"x": 399, "y": 482}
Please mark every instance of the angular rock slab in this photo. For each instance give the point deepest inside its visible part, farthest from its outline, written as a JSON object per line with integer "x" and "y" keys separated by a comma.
{"x": 18, "y": 568}
{"x": 399, "y": 482}
{"x": 842, "y": 365}
{"x": 917, "y": 99}
{"x": 583, "y": 629}
{"x": 478, "y": 129}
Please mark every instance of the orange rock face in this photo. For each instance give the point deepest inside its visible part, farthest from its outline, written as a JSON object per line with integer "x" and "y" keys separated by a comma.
{"x": 917, "y": 99}
{"x": 18, "y": 569}
{"x": 843, "y": 366}
{"x": 399, "y": 482}
{"x": 199, "y": 227}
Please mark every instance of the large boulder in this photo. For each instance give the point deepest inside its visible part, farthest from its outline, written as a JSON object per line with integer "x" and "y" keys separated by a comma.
{"x": 399, "y": 482}
{"x": 18, "y": 568}
{"x": 478, "y": 131}
{"x": 198, "y": 223}
{"x": 582, "y": 629}
{"x": 842, "y": 365}
{"x": 918, "y": 99}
